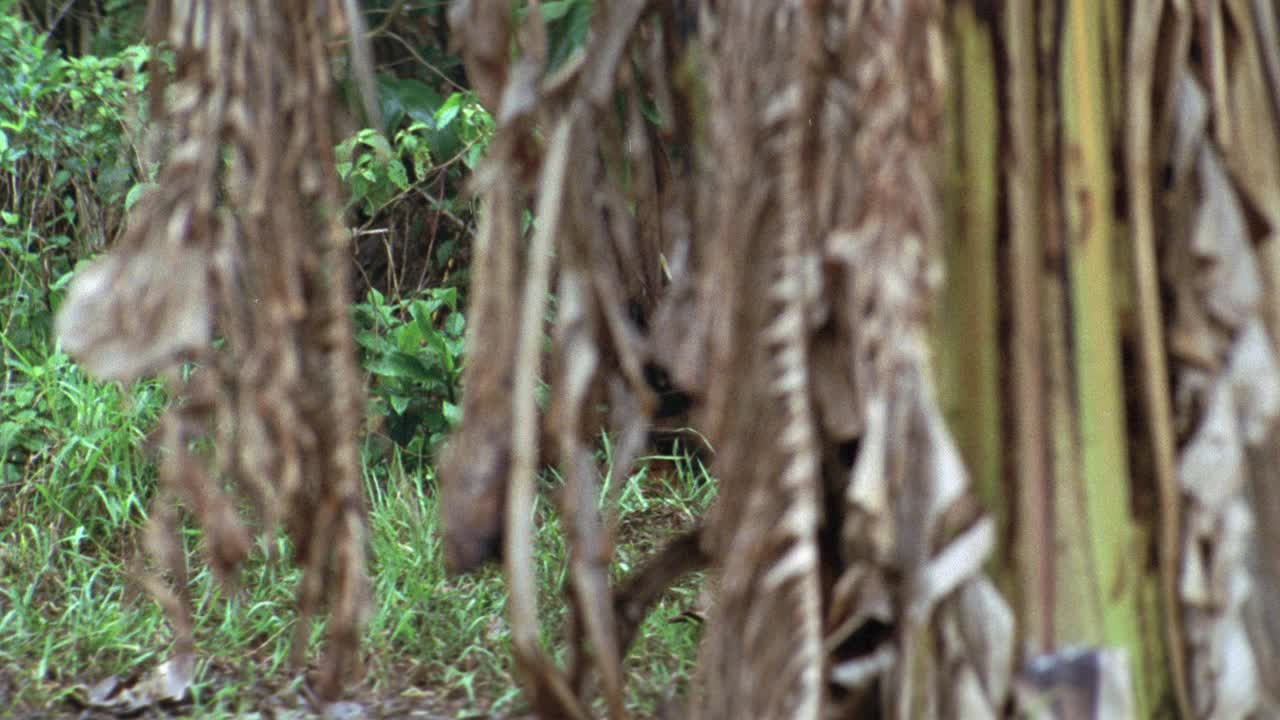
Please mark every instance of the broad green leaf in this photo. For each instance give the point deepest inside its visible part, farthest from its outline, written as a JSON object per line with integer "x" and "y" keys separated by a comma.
{"x": 455, "y": 323}
{"x": 452, "y": 413}
{"x": 446, "y": 295}
{"x": 443, "y": 352}
{"x": 397, "y": 173}
{"x": 445, "y": 250}
{"x": 421, "y": 311}
{"x": 448, "y": 111}
{"x": 372, "y": 341}
{"x": 409, "y": 337}
{"x": 556, "y": 9}
{"x": 401, "y": 97}
{"x": 474, "y": 153}
{"x": 378, "y": 142}
{"x": 399, "y": 365}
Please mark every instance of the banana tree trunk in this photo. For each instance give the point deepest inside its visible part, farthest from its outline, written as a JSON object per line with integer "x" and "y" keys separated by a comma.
{"x": 1133, "y": 263}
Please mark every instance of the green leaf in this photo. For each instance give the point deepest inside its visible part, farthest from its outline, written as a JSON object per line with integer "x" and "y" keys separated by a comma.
{"x": 474, "y": 153}
{"x": 443, "y": 353}
{"x": 369, "y": 340}
{"x": 448, "y": 111}
{"x": 397, "y": 173}
{"x": 401, "y": 97}
{"x": 136, "y": 192}
{"x": 399, "y": 403}
{"x": 452, "y": 413}
{"x": 62, "y": 281}
{"x": 378, "y": 142}
{"x": 556, "y": 9}
{"x": 416, "y": 129}
{"x": 569, "y": 33}
{"x": 399, "y": 365}
{"x": 421, "y": 162}
{"x": 24, "y": 396}
{"x": 409, "y": 337}
{"x": 447, "y": 295}
{"x": 421, "y": 312}
{"x": 455, "y": 323}
{"x": 10, "y": 218}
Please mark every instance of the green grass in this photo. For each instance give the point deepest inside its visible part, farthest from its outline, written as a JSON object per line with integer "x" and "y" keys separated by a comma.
{"x": 73, "y": 491}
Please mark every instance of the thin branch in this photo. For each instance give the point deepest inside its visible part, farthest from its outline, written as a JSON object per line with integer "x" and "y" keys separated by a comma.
{"x": 518, "y": 550}
{"x": 392, "y": 13}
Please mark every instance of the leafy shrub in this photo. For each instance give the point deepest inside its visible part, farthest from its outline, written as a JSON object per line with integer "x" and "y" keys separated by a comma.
{"x": 440, "y": 133}
{"x": 66, "y": 166}
{"x": 71, "y": 448}
{"x": 412, "y": 228}
{"x": 412, "y": 350}
{"x": 412, "y": 345}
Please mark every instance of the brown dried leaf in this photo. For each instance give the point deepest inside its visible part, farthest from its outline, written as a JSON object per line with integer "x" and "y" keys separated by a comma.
{"x": 131, "y": 314}
{"x": 986, "y": 624}
{"x": 961, "y": 560}
{"x": 164, "y": 685}
{"x": 1211, "y": 466}
{"x": 1255, "y": 379}
{"x": 1220, "y": 237}
{"x": 869, "y": 529}
{"x": 1190, "y": 122}
{"x": 968, "y": 699}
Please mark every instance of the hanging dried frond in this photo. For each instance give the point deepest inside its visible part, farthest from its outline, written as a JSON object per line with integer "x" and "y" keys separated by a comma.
{"x": 594, "y": 164}
{"x": 1222, "y": 197}
{"x": 241, "y": 241}
{"x": 799, "y": 222}
{"x": 801, "y": 245}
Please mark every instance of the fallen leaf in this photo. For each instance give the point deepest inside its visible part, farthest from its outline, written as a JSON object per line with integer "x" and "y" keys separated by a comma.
{"x": 167, "y": 684}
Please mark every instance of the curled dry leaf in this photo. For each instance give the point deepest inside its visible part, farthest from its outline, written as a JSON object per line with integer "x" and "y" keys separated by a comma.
{"x": 164, "y": 685}
{"x": 1210, "y": 467}
{"x": 131, "y": 314}
{"x": 1255, "y": 381}
{"x": 1220, "y": 239}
